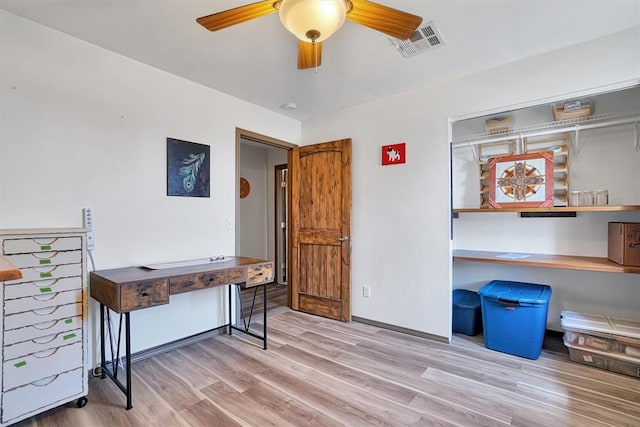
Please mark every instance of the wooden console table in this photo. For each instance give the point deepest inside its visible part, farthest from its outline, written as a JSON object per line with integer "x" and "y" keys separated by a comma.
{"x": 123, "y": 290}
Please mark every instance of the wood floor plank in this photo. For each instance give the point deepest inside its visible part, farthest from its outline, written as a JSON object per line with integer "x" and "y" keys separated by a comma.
{"x": 175, "y": 392}
{"x": 392, "y": 391}
{"x": 222, "y": 367}
{"x": 184, "y": 367}
{"x": 336, "y": 403}
{"x": 479, "y": 397}
{"x": 242, "y": 408}
{"x": 205, "y": 413}
{"x": 287, "y": 407}
{"x": 606, "y": 412}
{"x": 453, "y": 413}
{"x": 321, "y": 372}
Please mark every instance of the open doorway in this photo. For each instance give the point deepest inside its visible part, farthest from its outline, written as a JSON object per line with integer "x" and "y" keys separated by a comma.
{"x": 261, "y": 210}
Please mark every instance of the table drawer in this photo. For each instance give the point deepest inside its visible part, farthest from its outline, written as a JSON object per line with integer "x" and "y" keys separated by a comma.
{"x": 43, "y": 329}
{"x": 37, "y": 259}
{"x": 38, "y": 302}
{"x": 30, "y": 274}
{"x": 48, "y": 314}
{"x": 40, "y": 394}
{"x": 41, "y": 244}
{"x": 41, "y": 344}
{"x": 42, "y": 287}
{"x": 260, "y": 274}
{"x": 144, "y": 294}
{"x": 24, "y": 370}
{"x": 211, "y": 279}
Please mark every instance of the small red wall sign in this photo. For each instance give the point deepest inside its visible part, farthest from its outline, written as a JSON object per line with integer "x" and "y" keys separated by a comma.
{"x": 394, "y": 154}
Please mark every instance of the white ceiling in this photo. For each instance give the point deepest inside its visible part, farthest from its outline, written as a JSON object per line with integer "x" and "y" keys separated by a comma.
{"x": 256, "y": 60}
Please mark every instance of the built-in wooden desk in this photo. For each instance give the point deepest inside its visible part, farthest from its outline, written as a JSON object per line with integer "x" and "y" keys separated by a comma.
{"x": 8, "y": 271}
{"x": 123, "y": 290}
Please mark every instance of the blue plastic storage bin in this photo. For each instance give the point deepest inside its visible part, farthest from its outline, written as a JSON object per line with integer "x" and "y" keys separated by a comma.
{"x": 467, "y": 316}
{"x": 514, "y": 315}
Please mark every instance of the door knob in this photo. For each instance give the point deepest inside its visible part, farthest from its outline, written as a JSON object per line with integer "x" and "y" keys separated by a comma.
{"x": 343, "y": 238}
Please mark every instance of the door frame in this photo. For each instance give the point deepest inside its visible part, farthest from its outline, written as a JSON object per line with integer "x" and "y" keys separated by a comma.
{"x": 272, "y": 142}
{"x": 277, "y": 224}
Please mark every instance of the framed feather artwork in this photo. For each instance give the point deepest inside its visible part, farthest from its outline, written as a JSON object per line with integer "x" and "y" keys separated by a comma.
{"x": 188, "y": 172}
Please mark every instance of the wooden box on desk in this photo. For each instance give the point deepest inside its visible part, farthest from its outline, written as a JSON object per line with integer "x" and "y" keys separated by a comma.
{"x": 624, "y": 243}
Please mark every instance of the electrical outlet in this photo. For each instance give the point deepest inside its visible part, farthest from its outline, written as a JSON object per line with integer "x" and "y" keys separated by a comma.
{"x": 366, "y": 291}
{"x": 87, "y": 222}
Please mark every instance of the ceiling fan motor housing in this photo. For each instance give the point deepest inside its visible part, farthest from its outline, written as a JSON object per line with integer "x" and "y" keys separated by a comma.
{"x": 313, "y": 20}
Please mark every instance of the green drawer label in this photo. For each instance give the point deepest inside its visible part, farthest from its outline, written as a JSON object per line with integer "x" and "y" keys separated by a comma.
{"x": 44, "y": 290}
{"x": 45, "y": 261}
{"x": 20, "y": 364}
{"x": 68, "y": 336}
{"x": 45, "y": 275}
{"x": 45, "y": 247}
{"x": 68, "y": 320}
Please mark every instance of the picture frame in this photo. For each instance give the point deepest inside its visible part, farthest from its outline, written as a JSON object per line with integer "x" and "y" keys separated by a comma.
{"x": 188, "y": 169}
{"x": 393, "y": 154}
{"x": 521, "y": 180}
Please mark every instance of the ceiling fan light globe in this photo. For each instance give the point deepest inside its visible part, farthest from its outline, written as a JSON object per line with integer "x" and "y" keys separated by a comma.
{"x": 307, "y": 18}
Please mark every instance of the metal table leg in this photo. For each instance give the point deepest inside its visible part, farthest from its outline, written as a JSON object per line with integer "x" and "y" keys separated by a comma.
{"x": 247, "y": 324}
{"x": 264, "y": 316}
{"x": 110, "y": 368}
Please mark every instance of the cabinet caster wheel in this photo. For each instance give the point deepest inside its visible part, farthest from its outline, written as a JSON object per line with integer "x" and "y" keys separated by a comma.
{"x": 82, "y": 402}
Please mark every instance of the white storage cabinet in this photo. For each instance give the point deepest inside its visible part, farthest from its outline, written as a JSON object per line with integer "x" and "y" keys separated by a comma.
{"x": 44, "y": 322}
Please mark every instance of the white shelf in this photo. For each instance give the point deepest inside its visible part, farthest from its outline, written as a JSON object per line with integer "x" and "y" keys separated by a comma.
{"x": 548, "y": 128}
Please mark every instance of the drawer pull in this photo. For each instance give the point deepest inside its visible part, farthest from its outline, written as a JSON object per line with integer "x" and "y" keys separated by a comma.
{"x": 45, "y": 247}
{"x": 44, "y": 311}
{"x": 45, "y": 325}
{"x": 45, "y": 241}
{"x": 45, "y": 275}
{"x": 44, "y": 340}
{"x": 46, "y": 353}
{"x": 45, "y": 297}
{"x": 45, "y": 381}
{"x": 44, "y": 261}
{"x": 69, "y": 336}
{"x": 67, "y": 321}
{"x": 20, "y": 364}
{"x": 45, "y": 290}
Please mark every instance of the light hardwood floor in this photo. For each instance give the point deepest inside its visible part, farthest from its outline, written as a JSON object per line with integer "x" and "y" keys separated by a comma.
{"x": 319, "y": 372}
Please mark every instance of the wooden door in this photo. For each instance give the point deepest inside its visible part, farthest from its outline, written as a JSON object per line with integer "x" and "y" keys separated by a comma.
{"x": 320, "y": 229}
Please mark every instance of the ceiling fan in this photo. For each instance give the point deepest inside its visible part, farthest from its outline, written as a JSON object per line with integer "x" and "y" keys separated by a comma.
{"x": 313, "y": 21}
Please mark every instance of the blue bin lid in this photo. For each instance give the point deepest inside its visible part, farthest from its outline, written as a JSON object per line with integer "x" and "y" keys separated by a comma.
{"x": 466, "y": 298}
{"x": 517, "y": 292}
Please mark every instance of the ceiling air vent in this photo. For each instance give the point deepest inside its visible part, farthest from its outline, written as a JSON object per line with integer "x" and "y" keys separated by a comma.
{"x": 425, "y": 38}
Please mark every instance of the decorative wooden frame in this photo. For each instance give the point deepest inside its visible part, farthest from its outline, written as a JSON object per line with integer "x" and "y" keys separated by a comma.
{"x": 531, "y": 176}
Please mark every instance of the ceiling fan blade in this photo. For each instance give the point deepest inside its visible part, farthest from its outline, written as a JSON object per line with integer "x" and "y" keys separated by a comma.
{"x": 227, "y": 18}
{"x": 307, "y": 55}
{"x": 393, "y": 22}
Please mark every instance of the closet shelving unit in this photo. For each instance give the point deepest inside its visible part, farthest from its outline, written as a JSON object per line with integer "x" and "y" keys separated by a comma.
{"x": 518, "y": 137}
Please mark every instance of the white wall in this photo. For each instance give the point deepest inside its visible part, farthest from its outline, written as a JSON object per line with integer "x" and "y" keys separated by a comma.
{"x": 256, "y": 211}
{"x": 84, "y": 127}
{"x": 252, "y": 226}
{"x": 401, "y": 213}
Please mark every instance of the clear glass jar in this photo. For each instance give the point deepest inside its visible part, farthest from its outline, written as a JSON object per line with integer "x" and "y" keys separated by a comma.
{"x": 575, "y": 198}
{"x": 602, "y": 197}
{"x": 588, "y": 198}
